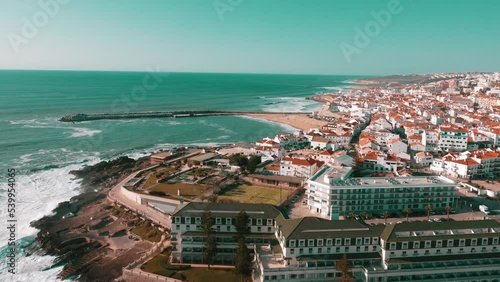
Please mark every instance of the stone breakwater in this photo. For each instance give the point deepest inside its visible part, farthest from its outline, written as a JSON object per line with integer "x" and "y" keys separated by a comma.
{"x": 178, "y": 114}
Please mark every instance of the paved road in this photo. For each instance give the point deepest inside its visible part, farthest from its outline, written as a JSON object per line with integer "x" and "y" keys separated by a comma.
{"x": 115, "y": 195}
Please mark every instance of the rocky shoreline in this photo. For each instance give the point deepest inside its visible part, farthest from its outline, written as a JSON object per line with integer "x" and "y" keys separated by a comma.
{"x": 88, "y": 234}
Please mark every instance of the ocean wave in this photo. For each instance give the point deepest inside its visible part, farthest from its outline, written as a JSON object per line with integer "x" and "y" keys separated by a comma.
{"x": 334, "y": 88}
{"x": 350, "y": 82}
{"x": 217, "y": 126}
{"x": 84, "y": 132}
{"x": 42, "y": 121}
{"x": 39, "y": 193}
{"x": 290, "y": 104}
{"x": 285, "y": 127}
{"x": 32, "y": 268}
{"x": 43, "y": 159}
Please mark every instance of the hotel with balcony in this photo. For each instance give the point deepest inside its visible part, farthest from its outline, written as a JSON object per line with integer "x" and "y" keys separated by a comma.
{"x": 188, "y": 239}
{"x": 332, "y": 192}
{"x": 307, "y": 249}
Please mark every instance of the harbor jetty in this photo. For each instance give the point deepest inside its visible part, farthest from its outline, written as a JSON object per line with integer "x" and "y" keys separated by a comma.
{"x": 175, "y": 114}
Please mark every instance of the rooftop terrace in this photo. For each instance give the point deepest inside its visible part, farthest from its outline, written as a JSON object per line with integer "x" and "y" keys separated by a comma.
{"x": 339, "y": 176}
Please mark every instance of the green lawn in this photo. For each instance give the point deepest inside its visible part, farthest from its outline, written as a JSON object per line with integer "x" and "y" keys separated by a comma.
{"x": 198, "y": 274}
{"x": 147, "y": 232}
{"x": 255, "y": 194}
{"x": 157, "y": 265}
{"x": 187, "y": 190}
{"x": 152, "y": 180}
{"x": 157, "y": 174}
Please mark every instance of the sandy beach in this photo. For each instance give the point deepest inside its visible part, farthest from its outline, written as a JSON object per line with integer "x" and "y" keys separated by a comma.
{"x": 299, "y": 121}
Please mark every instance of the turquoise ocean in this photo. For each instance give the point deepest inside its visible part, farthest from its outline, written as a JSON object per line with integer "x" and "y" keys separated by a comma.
{"x": 43, "y": 150}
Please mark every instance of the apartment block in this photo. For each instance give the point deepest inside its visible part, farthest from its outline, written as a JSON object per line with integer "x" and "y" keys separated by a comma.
{"x": 332, "y": 192}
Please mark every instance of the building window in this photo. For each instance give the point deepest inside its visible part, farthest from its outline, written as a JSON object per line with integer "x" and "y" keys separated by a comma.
{"x": 228, "y": 228}
{"x": 187, "y": 220}
{"x": 218, "y": 220}
{"x": 338, "y": 242}
{"x": 229, "y": 221}
{"x": 461, "y": 243}
{"x": 310, "y": 250}
{"x": 259, "y": 221}
{"x": 404, "y": 245}
{"x": 347, "y": 241}
{"x": 319, "y": 250}
{"x": 346, "y": 249}
{"x": 292, "y": 243}
{"x": 439, "y": 244}
{"x": 473, "y": 242}
{"x": 301, "y": 251}
{"x": 177, "y": 219}
{"x": 310, "y": 242}
{"x": 392, "y": 246}
{"x": 416, "y": 245}
{"x": 269, "y": 221}
{"x": 337, "y": 249}
{"x": 302, "y": 243}
{"x": 450, "y": 243}
{"x": 197, "y": 220}
{"x": 328, "y": 250}
{"x": 427, "y": 244}
{"x": 367, "y": 241}
{"x": 269, "y": 229}
{"x": 177, "y": 227}
{"x": 484, "y": 241}
{"x": 259, "y": 229}
{"x": 320, "y": 242}
{"x": 329, "y": 242}
{"x": 292, "y": 251}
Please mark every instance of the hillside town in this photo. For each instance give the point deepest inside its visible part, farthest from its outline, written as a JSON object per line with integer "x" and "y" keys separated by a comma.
{"x": 400, "y": 183}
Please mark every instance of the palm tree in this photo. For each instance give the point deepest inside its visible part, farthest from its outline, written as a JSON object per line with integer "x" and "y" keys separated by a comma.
{"x": 448, "y": 209}
{"x": 428, "y": 208}
{"x": 407, "y": 211}
{"x": 386, "y": 215}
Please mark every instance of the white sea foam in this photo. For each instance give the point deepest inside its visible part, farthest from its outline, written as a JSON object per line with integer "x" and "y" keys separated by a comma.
{"x": 290, "y": 104}
{"x": 350, "y": 82}
{"x": 84, "y": 132}
{"x": 334, "y": 88}
{"x": 31, "y": 269}
{"x": 37, "y": 195}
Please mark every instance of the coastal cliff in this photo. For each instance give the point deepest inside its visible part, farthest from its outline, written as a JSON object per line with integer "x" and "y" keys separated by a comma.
{"x": 88, "y": 234}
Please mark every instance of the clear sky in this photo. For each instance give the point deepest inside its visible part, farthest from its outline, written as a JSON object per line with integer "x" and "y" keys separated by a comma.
{"x": 258, "y": 36}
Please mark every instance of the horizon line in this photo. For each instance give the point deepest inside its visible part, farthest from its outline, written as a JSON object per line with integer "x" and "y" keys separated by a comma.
{"x": 204, "y": 72}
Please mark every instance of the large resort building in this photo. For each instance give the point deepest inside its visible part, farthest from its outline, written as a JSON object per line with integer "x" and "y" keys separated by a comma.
{"x": 307, "y": 249}
{"x": 332, "y": 192}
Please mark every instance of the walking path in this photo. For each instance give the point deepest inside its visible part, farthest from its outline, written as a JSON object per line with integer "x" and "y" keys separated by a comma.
{"x": 115, "y": 195}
